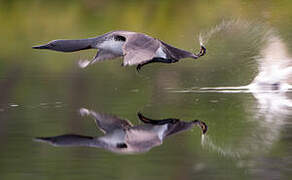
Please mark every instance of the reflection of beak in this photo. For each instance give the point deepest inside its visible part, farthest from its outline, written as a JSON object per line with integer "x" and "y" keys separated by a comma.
{"x": 202, "y": 51}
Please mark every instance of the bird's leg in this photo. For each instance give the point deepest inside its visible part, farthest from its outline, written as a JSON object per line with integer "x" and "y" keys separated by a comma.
{"x": 154, "y": 60}
{"x": 157, "y": 122}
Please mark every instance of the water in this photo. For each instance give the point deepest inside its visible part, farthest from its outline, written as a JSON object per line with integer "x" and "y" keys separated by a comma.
{"x": 241, "y": 89}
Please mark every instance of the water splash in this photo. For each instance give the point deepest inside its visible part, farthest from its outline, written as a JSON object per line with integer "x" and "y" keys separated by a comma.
{"x": 272, "y": 63}
{"x": 236, "y": 27}
{"x": 207, "y": 142}
{"x": 270, "y": 88}
{"x": 83, "y": 63}
{"x": 275, "y": 70}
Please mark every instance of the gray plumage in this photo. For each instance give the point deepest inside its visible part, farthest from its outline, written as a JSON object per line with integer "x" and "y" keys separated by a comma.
{"x": 121, "y": 136}
{"x": 136, "y": 48}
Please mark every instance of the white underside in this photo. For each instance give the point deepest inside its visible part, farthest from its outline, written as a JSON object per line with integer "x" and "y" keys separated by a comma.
{"x": 117, "y": 48}
{"x": 160, "y": 53}
{"x": 112, "y": 139}
{"x": 113, "y": 46}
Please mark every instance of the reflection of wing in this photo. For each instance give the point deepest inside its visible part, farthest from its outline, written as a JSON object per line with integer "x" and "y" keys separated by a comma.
{"x": 67, "y": 140}
{"x": 107, "y": 123}
{"x": 139, "y": 48}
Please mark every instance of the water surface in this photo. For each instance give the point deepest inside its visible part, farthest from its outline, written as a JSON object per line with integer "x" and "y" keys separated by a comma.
{"x": 249, "y": 131}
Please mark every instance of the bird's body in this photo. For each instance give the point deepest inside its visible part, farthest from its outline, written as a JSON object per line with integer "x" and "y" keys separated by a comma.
{"x": 121, "y": 136}
{"x": 136, "y": 48}
{"x": 112, "y": 46}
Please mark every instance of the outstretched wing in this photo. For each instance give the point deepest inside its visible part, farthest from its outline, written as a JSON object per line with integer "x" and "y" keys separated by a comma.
{"x": 139, "y": 48}
{"x": 100, "y": 56}
{"x": 105, "y": 55}
{"x": 105, "y": 122}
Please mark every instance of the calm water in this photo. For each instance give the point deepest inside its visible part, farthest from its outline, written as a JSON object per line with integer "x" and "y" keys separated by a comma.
{"x": 249, "y": 130}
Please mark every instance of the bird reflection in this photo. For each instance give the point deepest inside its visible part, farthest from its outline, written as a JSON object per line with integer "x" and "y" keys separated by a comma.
{"x": 123, "y": 137}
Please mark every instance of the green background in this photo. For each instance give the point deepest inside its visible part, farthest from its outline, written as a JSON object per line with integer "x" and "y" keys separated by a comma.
{"x": 42, "y": 91}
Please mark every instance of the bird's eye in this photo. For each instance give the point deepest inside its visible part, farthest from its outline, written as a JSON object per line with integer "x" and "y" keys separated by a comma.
{"x": 119, "y": 38}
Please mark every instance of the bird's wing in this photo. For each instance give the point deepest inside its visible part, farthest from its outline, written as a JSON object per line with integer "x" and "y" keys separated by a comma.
{"x": 100, "y": 56}
{"x": 104, "y": 55}
{"x": 105, "y": 122}
{"x": 139, "y": 48}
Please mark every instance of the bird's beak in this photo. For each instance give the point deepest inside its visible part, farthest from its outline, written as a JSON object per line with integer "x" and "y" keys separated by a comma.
{"x": 46, "y": 46}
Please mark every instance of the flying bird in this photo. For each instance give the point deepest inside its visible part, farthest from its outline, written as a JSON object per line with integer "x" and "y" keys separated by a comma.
{"x": 120, "y": 136}
{"x": 136, "y": 49}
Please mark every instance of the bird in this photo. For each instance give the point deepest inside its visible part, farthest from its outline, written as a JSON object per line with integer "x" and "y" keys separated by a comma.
{"x": 135, "y": 48}
{"x": 121, "y": 136}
